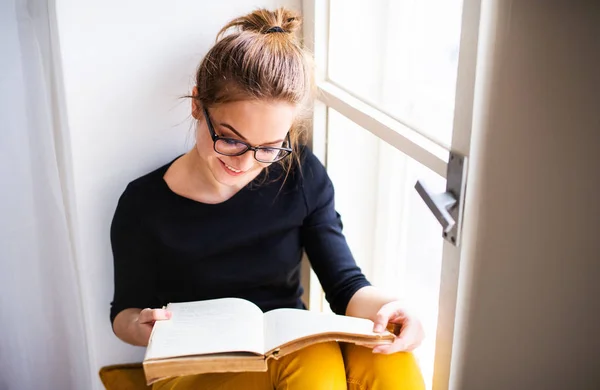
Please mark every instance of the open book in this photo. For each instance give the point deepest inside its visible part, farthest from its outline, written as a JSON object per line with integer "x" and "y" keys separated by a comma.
{"x": 234, "y": 335}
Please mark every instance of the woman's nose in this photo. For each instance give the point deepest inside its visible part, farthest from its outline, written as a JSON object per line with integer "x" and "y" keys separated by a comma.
{"x": 245, "y": 161}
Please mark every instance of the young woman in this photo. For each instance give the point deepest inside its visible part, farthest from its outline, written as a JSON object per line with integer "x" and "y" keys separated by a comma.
{"x": 232, "y": 217}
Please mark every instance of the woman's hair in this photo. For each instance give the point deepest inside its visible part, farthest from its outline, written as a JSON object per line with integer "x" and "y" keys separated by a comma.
{"x": 259, "y": 57}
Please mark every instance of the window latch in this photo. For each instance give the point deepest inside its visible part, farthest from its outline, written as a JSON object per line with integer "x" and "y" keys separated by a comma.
{"x": 447, "y": 207}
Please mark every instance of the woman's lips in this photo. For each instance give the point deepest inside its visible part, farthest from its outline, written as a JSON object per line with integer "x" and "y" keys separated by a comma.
{"x": 231, "y": 170}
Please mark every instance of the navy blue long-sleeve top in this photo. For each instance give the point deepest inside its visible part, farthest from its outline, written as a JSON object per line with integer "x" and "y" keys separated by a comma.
{"x": 168, "y": 248}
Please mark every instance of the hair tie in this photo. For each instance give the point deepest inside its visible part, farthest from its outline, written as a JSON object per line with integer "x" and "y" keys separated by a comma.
{"x": 274, "y": 29}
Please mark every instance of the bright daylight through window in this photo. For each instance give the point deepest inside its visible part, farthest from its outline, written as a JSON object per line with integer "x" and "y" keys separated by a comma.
{"x": 401, "y": 57}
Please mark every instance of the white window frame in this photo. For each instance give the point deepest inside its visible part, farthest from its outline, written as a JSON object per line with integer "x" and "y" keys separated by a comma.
{"x": 408, "y": 141}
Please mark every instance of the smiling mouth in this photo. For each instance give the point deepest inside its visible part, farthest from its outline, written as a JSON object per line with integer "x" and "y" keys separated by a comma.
{"x": 231, "y": 169}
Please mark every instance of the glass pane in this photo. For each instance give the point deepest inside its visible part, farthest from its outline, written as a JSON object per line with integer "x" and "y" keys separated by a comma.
{"x": 393, "y": 235}
{"x": 400, "y": 55}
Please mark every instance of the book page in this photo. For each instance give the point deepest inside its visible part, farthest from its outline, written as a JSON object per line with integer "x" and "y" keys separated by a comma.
{"x": 208, "y": 327}
{"x": 285, "y": 325}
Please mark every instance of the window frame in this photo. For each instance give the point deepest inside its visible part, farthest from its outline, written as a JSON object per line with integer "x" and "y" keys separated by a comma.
{"x": 410, "y": 142}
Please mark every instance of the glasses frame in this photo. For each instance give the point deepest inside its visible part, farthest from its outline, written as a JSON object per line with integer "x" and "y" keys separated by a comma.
{"x": 215, "y": 138}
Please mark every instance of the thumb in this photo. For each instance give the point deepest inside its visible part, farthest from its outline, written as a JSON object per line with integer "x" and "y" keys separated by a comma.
{"x": 151, "y": 315}
{"x": 381, "y": 319}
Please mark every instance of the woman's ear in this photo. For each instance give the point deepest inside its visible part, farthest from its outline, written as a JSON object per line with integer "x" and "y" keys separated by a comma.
{"x": 196, "y": 109}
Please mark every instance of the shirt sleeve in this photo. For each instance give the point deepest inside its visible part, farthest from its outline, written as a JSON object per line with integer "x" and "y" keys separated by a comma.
{"x": 133, "y": 256}
{"x": 324, "y": 241}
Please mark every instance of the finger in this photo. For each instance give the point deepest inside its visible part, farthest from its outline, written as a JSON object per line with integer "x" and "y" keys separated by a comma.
{"x": 151, "y": 315}
{"x": 387, "y": 312}
{"x": 396, "y": 346}
{"x": 381, "y": 349}
{"x": 411, "y": 335}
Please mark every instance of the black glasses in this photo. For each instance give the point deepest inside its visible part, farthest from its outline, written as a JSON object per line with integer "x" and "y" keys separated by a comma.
{"x": 235, "y": 147}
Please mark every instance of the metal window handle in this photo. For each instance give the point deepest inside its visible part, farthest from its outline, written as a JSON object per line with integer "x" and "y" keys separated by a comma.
{"x": 439, "y": 204}
{"x": 447, "y": 207}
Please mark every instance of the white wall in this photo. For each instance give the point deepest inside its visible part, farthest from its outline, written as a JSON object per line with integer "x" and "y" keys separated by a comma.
{"x": 125, "y": 64}
{"x": 532, "y": 244}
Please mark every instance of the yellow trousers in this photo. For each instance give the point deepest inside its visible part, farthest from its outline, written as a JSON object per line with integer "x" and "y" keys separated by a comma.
{"x": 330, "y": 366}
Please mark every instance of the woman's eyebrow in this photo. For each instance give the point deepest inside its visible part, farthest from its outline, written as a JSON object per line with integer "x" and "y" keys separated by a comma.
{"x": 244, "y": 138}
{"x": 234, "y": 130}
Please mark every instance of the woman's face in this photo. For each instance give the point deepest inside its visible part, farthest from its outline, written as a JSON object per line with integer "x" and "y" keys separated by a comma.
{"x": 258, "y": 123}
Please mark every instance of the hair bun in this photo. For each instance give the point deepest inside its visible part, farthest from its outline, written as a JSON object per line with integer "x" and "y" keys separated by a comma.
{"x": 274, "y": 29}
{"x": 263, "y": 21}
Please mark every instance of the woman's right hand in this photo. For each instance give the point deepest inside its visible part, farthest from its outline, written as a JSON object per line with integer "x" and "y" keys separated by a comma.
{"x": 145, "y": 321}
{"x": 134, "y": 326}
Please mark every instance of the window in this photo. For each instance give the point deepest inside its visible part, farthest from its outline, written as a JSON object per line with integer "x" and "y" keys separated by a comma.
{"x": 401, "y": 56}
{"x": 389, "y": 75}
{"x": 388, "y": 227}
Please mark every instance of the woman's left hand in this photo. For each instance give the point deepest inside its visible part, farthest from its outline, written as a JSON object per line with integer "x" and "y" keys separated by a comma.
{"x": 411, "y": 332}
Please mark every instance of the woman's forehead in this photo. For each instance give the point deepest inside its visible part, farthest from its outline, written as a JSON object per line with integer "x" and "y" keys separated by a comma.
{"x": 256, "y": 120}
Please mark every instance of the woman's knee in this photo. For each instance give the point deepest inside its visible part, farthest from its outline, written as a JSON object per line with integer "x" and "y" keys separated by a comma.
{"x": 368, "y": 370}
{"x": 318, "y": 366}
